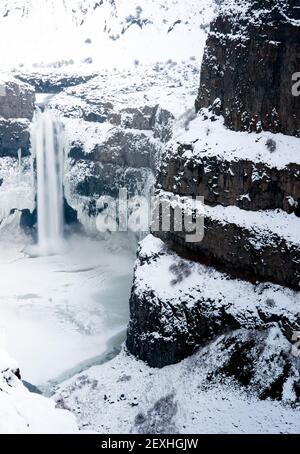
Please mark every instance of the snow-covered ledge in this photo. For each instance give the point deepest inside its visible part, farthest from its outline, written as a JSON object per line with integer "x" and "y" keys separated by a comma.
{"x": 23, "y": 412}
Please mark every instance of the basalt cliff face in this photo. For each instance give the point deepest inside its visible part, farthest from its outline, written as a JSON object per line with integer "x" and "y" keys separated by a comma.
{"x": 252, "y": 53}
{"x": 17, "y": 101}
{"x": 186, "y": 294}
{"x": 16, "y": 111}
{"x": 116, "y": 125}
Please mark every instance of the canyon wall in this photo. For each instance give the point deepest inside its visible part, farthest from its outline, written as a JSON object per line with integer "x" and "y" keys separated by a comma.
{"x": 242, "y": 154}
{"x": 252, "y": 53}
{"x": 16, "y": 111}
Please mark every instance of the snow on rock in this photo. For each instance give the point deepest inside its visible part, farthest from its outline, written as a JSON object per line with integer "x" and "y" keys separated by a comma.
{"x": 16, "y": 189}
{"x": 154, "y": 255}
{"x": 212, "y": 138}
{"x": 264, "y": 224}
{"x": 16, "y": 98}
{"x": 22, "y": 412}
{"x": 127, "y": 396}
{"x": 172, "y": 85}
{"x": 257, "y": 13}
{"x": 254, "y": 171}
{"x": 16, "y": 111}
{"x": 262, "y": 245}
{"x": 256, "y": 94}
{"x": 116, "y": 125}
{"x": 171, "y": 317}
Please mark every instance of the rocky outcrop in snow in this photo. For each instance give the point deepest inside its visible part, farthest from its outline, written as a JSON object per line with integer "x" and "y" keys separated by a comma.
{"x": 261, "y": 245}
{"x": 251, "y": 55}
{"x": 14, "y": 137}
{"x": 186, "y": 294}
{"x": 251, "y": 171}
{"x": 173, "y": 316}
{"x": 116, "y": 125}
{"x": 23, "y": 412}
{"x": 53, "y": 82}
{"x": 16, "y": 98}
{"x": 16, "y": 111}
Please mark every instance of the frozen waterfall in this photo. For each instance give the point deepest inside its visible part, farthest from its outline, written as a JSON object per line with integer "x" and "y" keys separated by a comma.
{"x": 47, "y": 138}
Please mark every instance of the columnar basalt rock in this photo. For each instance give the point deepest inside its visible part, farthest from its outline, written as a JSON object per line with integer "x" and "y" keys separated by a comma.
{"x": 243, "y": 183}
{"x": 249, "y": 175}
{"x": 17, "y": 101}
{"x": 116, "y": 125}
{"x": 14, "y": 137}
{"x": 252, "y": 52}
{"x": 173, "y": 316}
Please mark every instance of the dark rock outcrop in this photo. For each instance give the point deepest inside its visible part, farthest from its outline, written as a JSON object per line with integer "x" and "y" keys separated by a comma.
{"x": 107, "y": 179}
{"x": 233, "y": 248}
{"x": 243, "y": 183}
{"x": 28, "y": 219}
{"x": 124, "y": 158}
{"x": 16, "y": 99}
{"x": 250, "y": 250}
{"x": 52, "y": 82}
{"x": 14, "y": 136}
{"x": 258, "y": 360}
{"x": 122, "y": 148}
{"x": 179, "y": 300}
{"x": 192, "y": 304}
{"x": 252, "y": 52}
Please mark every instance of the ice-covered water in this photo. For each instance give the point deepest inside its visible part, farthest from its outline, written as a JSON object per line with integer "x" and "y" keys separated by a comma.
{"x": 61, "y": 312}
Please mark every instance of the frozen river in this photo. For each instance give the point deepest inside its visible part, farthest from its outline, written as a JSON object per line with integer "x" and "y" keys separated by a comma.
{"x": 61, "y": 313}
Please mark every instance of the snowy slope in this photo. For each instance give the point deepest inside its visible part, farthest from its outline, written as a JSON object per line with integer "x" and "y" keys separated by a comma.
{"x": 107, "y": 32}
{"x": 244, "y": 380}
{"x": 127, "y": 396}
{"x": 22, "y": 412}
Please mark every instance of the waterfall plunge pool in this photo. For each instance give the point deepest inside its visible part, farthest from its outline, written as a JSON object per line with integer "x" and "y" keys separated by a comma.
{"x": 63, "y": 303}
{"x": 62, "y": 313}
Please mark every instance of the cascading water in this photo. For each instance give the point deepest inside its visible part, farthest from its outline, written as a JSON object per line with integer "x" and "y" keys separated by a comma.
{"x": 47, "y": 138}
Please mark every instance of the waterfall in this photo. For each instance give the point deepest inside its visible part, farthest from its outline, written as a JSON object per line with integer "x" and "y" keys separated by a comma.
{"x": 47, "y": 139}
